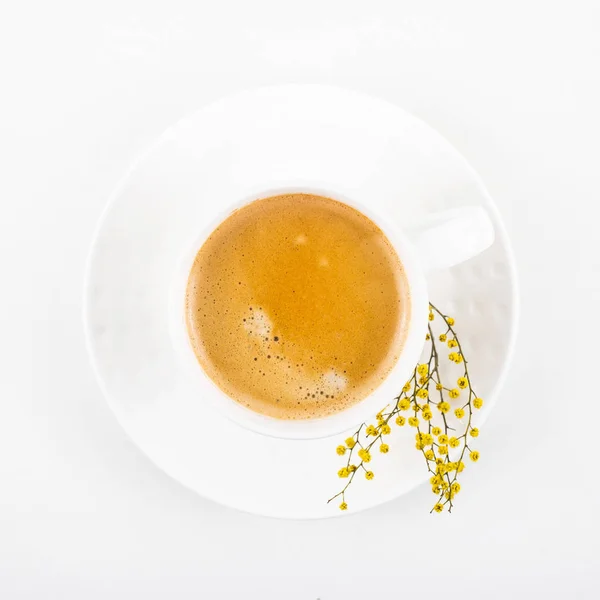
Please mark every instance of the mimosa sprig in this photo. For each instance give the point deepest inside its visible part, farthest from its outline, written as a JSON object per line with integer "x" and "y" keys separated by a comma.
{"x": 440, "y": 412}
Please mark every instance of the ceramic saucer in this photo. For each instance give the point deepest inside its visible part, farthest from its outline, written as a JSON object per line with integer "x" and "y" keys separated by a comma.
{"x": 261, "y": 138}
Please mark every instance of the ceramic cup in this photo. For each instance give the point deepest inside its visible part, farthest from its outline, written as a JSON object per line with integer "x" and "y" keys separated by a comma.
{"x": 440, "y": 241}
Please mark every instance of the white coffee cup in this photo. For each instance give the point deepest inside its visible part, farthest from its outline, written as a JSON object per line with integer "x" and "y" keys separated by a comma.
{"x": 442, "y": 240}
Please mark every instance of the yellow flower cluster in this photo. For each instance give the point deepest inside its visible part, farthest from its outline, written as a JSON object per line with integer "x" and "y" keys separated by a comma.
{"x": 404, "y": 404}
{"x": 426, "y": 439}
{"x": 443, "y": 441}
{"x": 365, "y": 455}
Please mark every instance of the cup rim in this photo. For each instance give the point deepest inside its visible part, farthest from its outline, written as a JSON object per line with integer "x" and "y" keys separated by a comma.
{"x": 343, "y": 420}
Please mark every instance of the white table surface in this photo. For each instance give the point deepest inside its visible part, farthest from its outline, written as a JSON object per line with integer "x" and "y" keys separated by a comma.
{"x": 85, "y": 86}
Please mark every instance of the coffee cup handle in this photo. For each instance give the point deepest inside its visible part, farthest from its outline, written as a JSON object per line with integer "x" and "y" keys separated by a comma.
{"x": 447, "y": 238}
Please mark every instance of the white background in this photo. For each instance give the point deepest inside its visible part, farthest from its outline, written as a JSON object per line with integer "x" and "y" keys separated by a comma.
{"x": 85, "y": 86}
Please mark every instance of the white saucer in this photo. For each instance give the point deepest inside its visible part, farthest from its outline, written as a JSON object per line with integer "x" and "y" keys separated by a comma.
{"x": 259, "y": 138}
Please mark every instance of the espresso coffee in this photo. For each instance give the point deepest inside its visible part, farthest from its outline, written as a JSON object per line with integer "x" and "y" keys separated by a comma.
{"x": 297, "y": 306}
